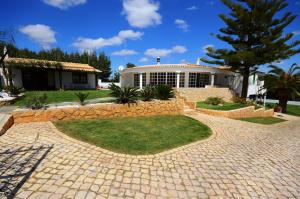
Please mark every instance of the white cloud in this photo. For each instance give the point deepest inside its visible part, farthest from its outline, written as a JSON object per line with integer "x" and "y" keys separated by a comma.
{"x": 124, "y": 52}
{"x": 192, "y": 8}
{"x": 296, "y": 32}
{"x": 144, "y": 59}
{"x": 182, "y": 24}
{"x": 155, "y": 52}
{"x": 141, "y": 13}
{"x": 83, "y": 43}
{"x": 207, "y": 46}
{"x": 64, "y": 4}
{"x": 39, "y": 33}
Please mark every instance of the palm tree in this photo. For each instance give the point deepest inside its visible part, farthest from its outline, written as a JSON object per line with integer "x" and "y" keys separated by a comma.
{"x": 284, "y": 84}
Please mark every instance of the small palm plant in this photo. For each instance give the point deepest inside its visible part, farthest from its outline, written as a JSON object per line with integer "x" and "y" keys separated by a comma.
{"x": 126, "y": 95}
{"x": 164, "y": 92}
{"x": 284, "y": 84}
{"x": 148, "y": 93}
{"x": 82, "y": 97}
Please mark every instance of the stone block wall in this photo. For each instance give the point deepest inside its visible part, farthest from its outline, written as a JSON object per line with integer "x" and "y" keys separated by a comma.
{"x": 170, "y": 107}
{"x": 200, "y": 94}
{"x": 239, "y": 113}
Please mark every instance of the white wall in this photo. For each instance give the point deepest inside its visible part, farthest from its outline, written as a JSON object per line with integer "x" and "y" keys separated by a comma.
{"x": 16, "y": 77}
{"x": 67, "y": 81}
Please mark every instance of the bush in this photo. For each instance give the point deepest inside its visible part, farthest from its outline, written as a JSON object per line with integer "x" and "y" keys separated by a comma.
{"x": 239, "y": 100}
{"x": 37, "y": 102}
{"x": 214, "y": 101}
{"x": 163, "y": 92}
{"x": 148, "y": 93}
{"x": 124, "y": 95}
{"x": 14, "y": 90}
{"x": 82, "y": 97}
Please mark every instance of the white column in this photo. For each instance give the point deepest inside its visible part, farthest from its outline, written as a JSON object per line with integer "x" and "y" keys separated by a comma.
{"x": 178, "y": 79}
{"x": 141, "y": 80}
{"x": 212, "y": 83}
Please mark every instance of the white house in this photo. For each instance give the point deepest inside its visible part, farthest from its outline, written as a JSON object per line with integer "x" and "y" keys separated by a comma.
{"x": 182, "y": 76}
{"x": 35, "y": 74}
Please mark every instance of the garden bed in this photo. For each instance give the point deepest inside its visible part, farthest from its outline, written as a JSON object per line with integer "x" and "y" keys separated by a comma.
{"x": 137, "y": 136}
{"x": 225, "y": 107}
{"x": 61, "y": 96}
{"x": 263, "y": 120}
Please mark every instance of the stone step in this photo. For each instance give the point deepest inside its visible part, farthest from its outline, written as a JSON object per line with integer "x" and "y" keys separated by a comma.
{"x": 6, "y": 121}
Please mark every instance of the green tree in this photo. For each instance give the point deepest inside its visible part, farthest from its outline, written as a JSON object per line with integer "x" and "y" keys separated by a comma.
{"x": 104, "y": 65}
{"x": 255, "y": 32}
{"x": 284, "y": 84}
{"x": 130, "y": 65}
{"x": 116, "y": 77}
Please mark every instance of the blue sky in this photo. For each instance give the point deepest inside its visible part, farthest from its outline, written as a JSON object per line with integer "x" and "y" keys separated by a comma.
{"x": 127, "y": 30}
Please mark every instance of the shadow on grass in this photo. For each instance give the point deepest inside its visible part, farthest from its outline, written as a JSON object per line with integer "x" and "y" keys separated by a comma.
{"x": 17, "y": 165}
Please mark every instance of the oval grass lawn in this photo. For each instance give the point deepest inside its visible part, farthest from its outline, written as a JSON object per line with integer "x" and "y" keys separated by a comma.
{"x": 136, "y": 136}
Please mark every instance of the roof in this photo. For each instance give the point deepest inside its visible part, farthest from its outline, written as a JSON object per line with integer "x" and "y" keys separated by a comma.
{"x": 65, "y": 65}
{"x": 191, "y": 66}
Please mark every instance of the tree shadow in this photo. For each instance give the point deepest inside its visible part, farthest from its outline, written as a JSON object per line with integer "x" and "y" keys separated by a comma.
{"x": 16, "y": 166}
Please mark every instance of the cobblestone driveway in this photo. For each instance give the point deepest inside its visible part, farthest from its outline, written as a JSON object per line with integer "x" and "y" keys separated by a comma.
{"x": 241, "y": 160}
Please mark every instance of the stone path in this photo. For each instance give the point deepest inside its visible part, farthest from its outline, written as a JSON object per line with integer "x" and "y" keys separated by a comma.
{"x": 241, "y": 160}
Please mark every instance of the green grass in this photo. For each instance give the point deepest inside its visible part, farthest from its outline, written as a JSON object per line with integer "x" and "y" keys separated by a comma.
{"x": 226, "y": 107}
{"x": 137, "y": 136}
{"x": 263, "y": 120}
{"x": 291, "y": 109}
{"x": 61, "y": 96}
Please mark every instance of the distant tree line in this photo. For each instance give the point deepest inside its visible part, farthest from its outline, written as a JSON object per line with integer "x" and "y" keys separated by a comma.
{"x": 101, "y": 61}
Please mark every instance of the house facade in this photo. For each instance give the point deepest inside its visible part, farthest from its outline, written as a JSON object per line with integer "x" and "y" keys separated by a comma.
{"x": 35, "y": 74}
{"x": 188, "y": 76}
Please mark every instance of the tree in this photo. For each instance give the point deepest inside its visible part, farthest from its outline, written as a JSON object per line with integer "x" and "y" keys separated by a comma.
{"x": 284, "y": 84}
{"x": 130, "y": 65}
{"x": 256, "y": 37}
{"x": 104, "y": 65}
{"x": 116, "y": 77}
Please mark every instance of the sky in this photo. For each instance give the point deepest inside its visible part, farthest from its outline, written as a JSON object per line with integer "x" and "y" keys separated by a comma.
{"x": 135, "y": 31}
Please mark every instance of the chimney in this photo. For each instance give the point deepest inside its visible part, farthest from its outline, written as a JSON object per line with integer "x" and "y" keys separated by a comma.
{"x": 158, "y": 61}
{"x": 198, "y": 61}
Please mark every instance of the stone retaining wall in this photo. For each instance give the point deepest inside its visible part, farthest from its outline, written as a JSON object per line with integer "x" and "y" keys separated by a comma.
{"x": 200, "y": 94}
{"x": 170, "y": 107}
{"x": 239, "y": 113}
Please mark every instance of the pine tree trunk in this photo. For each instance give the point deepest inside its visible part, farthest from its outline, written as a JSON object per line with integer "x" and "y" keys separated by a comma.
{"x": 245, "y": 83}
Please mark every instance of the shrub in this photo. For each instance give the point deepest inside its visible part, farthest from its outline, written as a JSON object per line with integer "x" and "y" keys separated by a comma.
{"x": 148, "y": 93}
{"x": 214, "y": 101}
{"x": 124, "y": 95}
{"x": 239, "y": 100}
{"x": 14, "y": 90}
{"x": 163, "y": 92}
{"x": 82, "y": 97}
{"x": 37, "y": 102}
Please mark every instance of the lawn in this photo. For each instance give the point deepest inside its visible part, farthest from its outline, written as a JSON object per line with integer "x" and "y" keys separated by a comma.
{"x": 291, "y": 109}
{"x": 263, "y": 120}
{"x": 136, "y": 136}
{"x": 226, "y": 106}
{"x": 61, "y": 96}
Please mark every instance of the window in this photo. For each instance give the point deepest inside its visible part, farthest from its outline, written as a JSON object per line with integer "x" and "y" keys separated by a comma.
{"x": 153, "y": 78}
{"x": 181, "y": 80}
{"x": 171, "y": 79}
{"x": 197, "y": 80}
{"x": 136, "y": 80}
{"x": 161, "y": 78}
{"x": 79, "y": 78}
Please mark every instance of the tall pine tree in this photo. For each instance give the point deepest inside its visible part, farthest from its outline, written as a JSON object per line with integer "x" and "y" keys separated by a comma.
{"x": 255, "y": 32}
{"x": 104, "y": 64}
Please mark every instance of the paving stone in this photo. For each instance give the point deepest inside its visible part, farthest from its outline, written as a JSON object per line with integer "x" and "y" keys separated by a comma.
{"x": 240, "y": 160}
